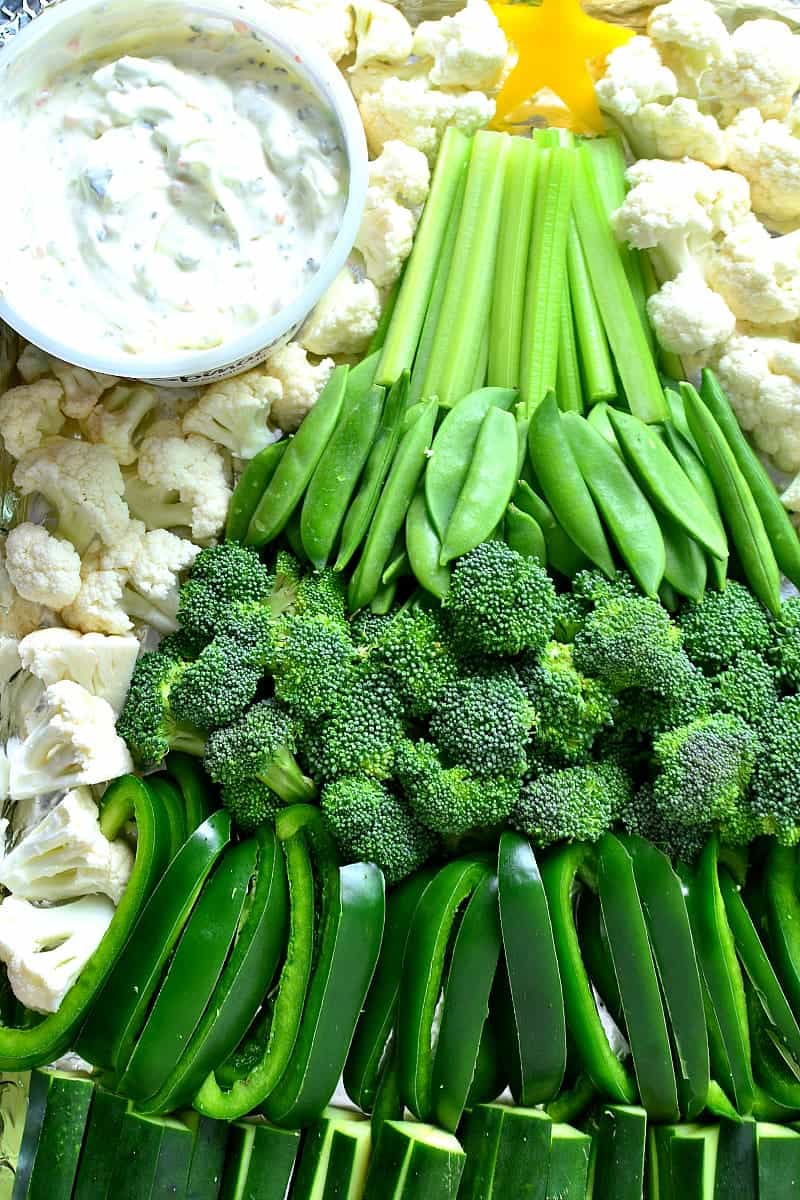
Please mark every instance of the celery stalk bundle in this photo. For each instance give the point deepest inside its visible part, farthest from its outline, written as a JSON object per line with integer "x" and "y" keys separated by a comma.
{"x": 516, "y": 279}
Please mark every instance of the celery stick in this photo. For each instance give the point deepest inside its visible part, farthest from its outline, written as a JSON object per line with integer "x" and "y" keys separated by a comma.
{"x": 595, "y": 356}
{"x": 545, "y": 139}
{"x": 569, "y": 391}
{"x": 468, "y": 296}
{"x": 508, "y": 301}
{"x": 412, "y": 302}
{"x": 546, "y": 274}
{"x": 379, "y": 336}
{"x": 440, "y": 282}
{"x": 479, "y": 379}
{"x": 634, "y": 360}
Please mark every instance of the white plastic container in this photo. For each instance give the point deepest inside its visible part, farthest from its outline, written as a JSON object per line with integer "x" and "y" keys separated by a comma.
{"x": 41, "y": 49}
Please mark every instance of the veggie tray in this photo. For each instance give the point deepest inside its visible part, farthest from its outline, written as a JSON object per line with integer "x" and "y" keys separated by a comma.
{"x": 401, "y": 739}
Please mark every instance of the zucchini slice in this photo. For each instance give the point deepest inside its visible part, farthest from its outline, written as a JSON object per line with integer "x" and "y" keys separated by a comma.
{"x": 100, "y": 1146}
{"x": 508, "y": 1154}
{"x": 619, "y": 1142}
{"x": 259, "y": 1161}
{"x": 568, "y": 1173}
{"x": 737, "y": 1170}
{"x": 208, "y": 1157}
{"x": 778, "y": 1154}
{"x": 334, "y": 1159}
{"x": 682, "y": 1162}
{"x": 58, "y": 1108}
{"x": 153, "y": 1158}
{"x": 412, "y": 1160}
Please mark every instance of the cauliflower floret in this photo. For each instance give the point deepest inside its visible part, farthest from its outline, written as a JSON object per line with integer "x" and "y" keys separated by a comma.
{"x": 152, "y": 592}
{"x": 41, "y": 976}
{"x": 382, "y": 33}
{"x": 768, "y": 155}
{"x": 29, "y": 413}
{"x": 399, "y": 180}
{"x": 410, "y": 111}
{"x": 235, "y": 413}
{"x": 19, "y": 691}
{"x": 180, "y": 482}
{"x": 43, "y": 568}
{"x": 634, "y": 76}
{"x": 469, "y": 49}
{"x": 82, "y": 483}
{"x": 18, "y": 616}
{"x": 346, "y": 317}
{"x": 758, "y": 275}
{"x": 301, "y": 383}
{"x": 690, "y": 37}
{"x": 762, "y": 72}
{"x": 679, "y": 130}
{"x": 102, "y": 665}
{"x": 66, "y": 856}
{"x": 762, "y": 378}
{"x": 688, "y": 317}
{"x": 402, "y": 173}
{"x": 82, "y": 388}
{"x": 72, "y": 740}
{"x": 119, "y": 421}
{"x": 98, "y": 606}
{"x": 329, "y": 23}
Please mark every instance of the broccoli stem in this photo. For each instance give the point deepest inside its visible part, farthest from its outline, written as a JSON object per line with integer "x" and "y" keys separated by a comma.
{"x": 508, "y": 302}
{"x": 287, "y": 780}
{"x": 190, "y": 741}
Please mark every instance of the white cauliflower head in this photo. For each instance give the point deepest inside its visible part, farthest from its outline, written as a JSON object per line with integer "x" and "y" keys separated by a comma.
{"x": 328, "y": 23}
{"x": 82, "y": 388}
{"x": 66, "y": 855}
{"x": 401, "y": 173}
{"x": 767, "y": 153}
{"x": 101, "y": 664}
{"x": 180, "y": 483}
{"x": 763, "y": 71}
{"x": 759, "y": 276}
{"x": 346, "y": 317}
{"x": 120, "y": 419}
{"x": 690, "y": 36}
{"x": 72, "y": 740}
{"x": 385, "y": 237}
{"x": 82, "y": 483}
{"x": 98, "y": 606}
{"x": 469, "y": 50}
{"x": 382, "y": 33}
{"x": 152, "y": 592}
{"x": 43, "y": 568}
{"x": 688, "y": 317}
{"x": 410, "y": 111}
{"x": 634, "y": 76}
{"x": 762, "y": 378}
{"x": 680, "y": 130}
{"x": 29, "y": 413}
{"x": 235, "y": 413}
{"x": 301, "y": 383}
{"x": 18, "y": 616}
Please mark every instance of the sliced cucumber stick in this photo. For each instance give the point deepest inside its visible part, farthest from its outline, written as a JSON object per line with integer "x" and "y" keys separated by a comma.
{"x": 335, "y": 1158}
{"x": 100, "y": 1146}
{"x": 618, "y": 1152}
{"x": 508, "y": 1154}
{"x": 153, "y": 1158}
{"x": 412, "y": 1160}
{"x": 259, "y": 1161}
{"x": 58, "y": 1108}
{"x": 568, "y": 1174}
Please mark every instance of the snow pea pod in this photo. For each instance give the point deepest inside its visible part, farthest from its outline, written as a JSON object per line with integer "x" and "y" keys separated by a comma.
{"x": 397, "y": 494}
{"x": 599, "y": 419}
{"x": 629, "y": 517}
{"x": 563, "y": 484}
{"x": 665, "y": 483}
{"x": 383, "y": 600}
{"x": 562, "y": 553}
{"x": 736, "y": 501}
{"x": 685, "y": 566}
{"x": 453, "y": 449}
{"x": 685, "y": 454}
{"x": 487, "y": 487}
{"x": 251, "y": 486}
{"x": 424, "y": 548}
{"x": 780, "y": 531}
{"x": 293, "y": 474}
{"x": 524, "y": 534}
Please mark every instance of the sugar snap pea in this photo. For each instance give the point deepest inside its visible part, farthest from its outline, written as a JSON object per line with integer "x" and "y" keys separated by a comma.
{"x": 524, "y": 534}
{"x": 337, "y": 473}
{"x": 424, "y": 547}
{"x": 780, "y": 531}
{"x": 291, "y": 532}
{"x": 250, "y": 488}
{"x": 599, "y": 419}
{"x": 685, "y": 567}
{"x": 563, "y": 484}
{"x": 452, "y": 450}
{"x": 683, "y": 450}
{"x": 362, "y": 508}
{"x": 665, "y": 483}
{"x": 294, "y": 471}
{"x": 736, "y": 501}
{"x": 398, "y": 566}
{"x": 487, "y": 487}
{"x": 383, "y": 600}
{"x": 397, "y": 494}
{"x": 627, "y": 514}
{"x": 562, "y": 553}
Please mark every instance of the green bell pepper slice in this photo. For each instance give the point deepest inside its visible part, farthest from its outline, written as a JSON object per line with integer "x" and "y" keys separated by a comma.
{"x": 782, "y": 910}
{"x": 197, "y": 791}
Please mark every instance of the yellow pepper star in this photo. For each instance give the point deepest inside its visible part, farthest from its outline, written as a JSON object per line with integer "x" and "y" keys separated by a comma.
{"x": 556, "y": 41}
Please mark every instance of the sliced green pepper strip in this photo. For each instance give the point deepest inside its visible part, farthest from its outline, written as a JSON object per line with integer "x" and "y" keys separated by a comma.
{"x": 664, "y": 905}
{"x": 192, "y": 975}
{"x": 197, "y": 790}
{"x": 363, "y": 1069}
{"x": 349, "y": 943}
{"x": 428, "y": 940}
{"x": 604, "y": 1069}
{"x": 596, "y": 954}
{"x": 782, "y": 907}
{"x": 301, "y": 834}
{"x": 125, "y": 799}
{"x": 260, "y": 940}
{"x": 776, "y": 1082}
{"x": 716, "y": 953}
{"x": 172, "y": 801}
{"x": 539, "y": 1050}
{"x": 107, "y": 1040}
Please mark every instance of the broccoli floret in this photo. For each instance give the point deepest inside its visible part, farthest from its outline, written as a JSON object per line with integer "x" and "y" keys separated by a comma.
{"x": 413, "y": 649}
{"x": 785, "y": 653}
{"x": 222, "y": 576}
{"x": 217, "y": 687}
{"x": 147, "y": 722}
{"x": 500, "y": 603}
{"x": 722, "y": 625}
{"x": 483, "y": 723}
{"x": 570, "y": 709}
{"x": 259, "y": 745}
{"x": 310, "y": 664}
{"x": 656, "y": 822}
{"x": 178, "y": 645}
{"x": 703, "y": 769}
{"x": 683, "y": 694}
{"x": 746, "y": 688}
{"x": 627, "y": 642}
{"x": 321, "y": 594}
{"x": 366, "y": 627}
{"x": 363, "y": 732}
{"x": 775, "y": 791}
{"x": 576, "y": 803}
{"x": 372, "y": 825}
{"x": 450, "y": 800}
{"x": 593, "y": 588}
{"x": 250, "y": 802}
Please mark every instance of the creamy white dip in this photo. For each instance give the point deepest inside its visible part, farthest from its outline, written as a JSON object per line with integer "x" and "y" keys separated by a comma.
{"x": 172, "y": 201}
